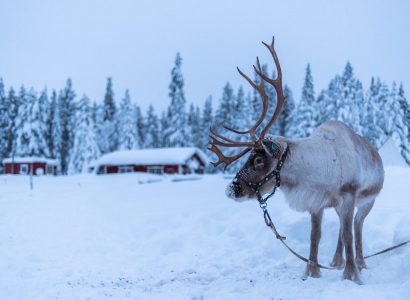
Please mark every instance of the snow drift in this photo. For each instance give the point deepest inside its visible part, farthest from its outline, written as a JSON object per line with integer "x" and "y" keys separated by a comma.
{"x": 141, "y": 236}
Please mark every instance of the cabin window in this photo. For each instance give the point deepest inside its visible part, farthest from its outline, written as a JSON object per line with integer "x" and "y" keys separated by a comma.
{"x": 155, "y": 170}
{"x": 24, "y": 169}
{"x": 39, "y": 171}
{"x": 125, "y": 169}
{"x": 50, "y": 169}
{"x": 102, "y": 170}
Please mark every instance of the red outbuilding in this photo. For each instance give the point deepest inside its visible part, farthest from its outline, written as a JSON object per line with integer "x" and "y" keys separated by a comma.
{"x": 30, "y": 165}
{"x": 157, "y": 161}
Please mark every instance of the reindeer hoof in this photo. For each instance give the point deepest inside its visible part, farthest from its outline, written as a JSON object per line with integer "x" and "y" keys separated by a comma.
{"x": 351, "y": 273}
{"x": 312, "y": 271}
{"x": 361, "y": 264}
{"x": 338, "y": 263}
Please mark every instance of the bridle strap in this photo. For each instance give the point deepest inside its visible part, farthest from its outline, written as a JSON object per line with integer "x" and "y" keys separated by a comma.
{"x": 256, "y": 186}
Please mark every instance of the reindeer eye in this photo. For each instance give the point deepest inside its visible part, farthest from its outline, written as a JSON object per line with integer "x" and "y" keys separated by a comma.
{"x": 258, "y": 162}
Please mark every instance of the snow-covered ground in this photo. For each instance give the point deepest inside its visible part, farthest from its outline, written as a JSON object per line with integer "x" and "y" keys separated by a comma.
{"x": 136, "y": 236}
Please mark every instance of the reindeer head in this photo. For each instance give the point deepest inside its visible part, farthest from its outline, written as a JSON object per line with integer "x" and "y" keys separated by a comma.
{"x": 264, "y": 152}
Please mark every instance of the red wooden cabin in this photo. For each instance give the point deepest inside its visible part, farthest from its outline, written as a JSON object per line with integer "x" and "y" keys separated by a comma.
{"x": 30, "y": 165}
{"x": 157, "y": 161}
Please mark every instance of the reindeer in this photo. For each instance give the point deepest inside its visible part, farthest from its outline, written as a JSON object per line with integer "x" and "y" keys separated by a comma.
{"x": 333, "y": 167}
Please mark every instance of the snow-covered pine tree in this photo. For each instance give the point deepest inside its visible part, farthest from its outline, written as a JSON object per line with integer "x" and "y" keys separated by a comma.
{"x": 351, "y": 99}
{"x": 95, "y": 113}
{"x": 285, "y": 122}
{"x": 128, "y": 138}
{"x": 31, "y": 125}
{"x": 66, "y": 109}
{"x": 400, "y": 130}
{"x": 141, "y": 127}
{"x": 207, "y": 120}
{"x": 85, "y": 147}
{"x": 383, "y": 113}
{"x": 370, "y": 131}
{"x": 38, "y": 117}
{"x": 243, "y": 113}
{"x": 194, "y": 126}
{"x": 21, "y": 146}
{"x": 4, "y": 121}
{"x": 108, "y": 134}
{"x": 176, "y": 133}
{"x": 404, "y": 103}
{"x": 256, "y": 102}
{"x": 225, "y": 114}
{"x": 53, "y": 131}
{"x": 12, "y": 113}
{"x": 164, "y": 130}
{"x": 321, "y": 105}
{"x": 329, "y": 101}
{"x": 305, "y": 116}
{"x": 152, "y": 136}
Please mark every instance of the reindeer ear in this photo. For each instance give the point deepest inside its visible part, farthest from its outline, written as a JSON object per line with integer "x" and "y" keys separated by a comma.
{"x": 272, "y": 148}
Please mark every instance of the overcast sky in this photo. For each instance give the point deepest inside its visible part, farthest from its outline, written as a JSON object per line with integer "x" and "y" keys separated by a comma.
{"x": 45, "y": 41}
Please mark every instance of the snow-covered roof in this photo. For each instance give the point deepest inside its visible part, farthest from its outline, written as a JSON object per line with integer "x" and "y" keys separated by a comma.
{"x": 30, "y": 159}
{"x": 159, "y": 156}
{"x": 390, "y": 155}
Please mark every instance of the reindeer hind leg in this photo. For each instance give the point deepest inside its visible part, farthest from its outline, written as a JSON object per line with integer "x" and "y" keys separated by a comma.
{"x": 338, "y": 260}
{"x": 346, "y": 211}
{"x": 361, "y": 214}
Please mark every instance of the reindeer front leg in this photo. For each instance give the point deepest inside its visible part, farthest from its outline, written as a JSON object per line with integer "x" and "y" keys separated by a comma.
{"x": 315, "y": 234}
{"x": 338, "y": 260}
{"x": 346, "y": 211}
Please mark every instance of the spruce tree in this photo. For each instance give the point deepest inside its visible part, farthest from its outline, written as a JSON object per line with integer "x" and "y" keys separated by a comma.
{"x": 53, "y": 130}
{"x": 370, "y": 129}
{"x": 330, "y": 101}
{"x": 152, "y": 137}
{"x": 400, "y": 131}
{"x": 4, "y": 121}
{"x": 256, "y": 101}
{"x": 141, "y": 127}
{"x": 242, "y": 112}
{"x": 110, "y": 108}
{"x": 305, "y": 116}
{"x": 66, "y": 109}
{"x": 12, "y": 116}
{"x": 128, "y": 138}
{"x": 85, "y": 148}
{"x": 383, "y": 113}
{"x": 225, "y": 114}
{"x": 176, "y": 133}
{"x": 285, "y": 119}
{"x": 108, "y": 136}
{"x": 194, "y": 126}
{"x": 164, "y": 130}
{"x": 37, "y": 119}
{"x": 21, "y": 146}
{"x": 207, "y": 120}
{"x": 351, "y": 99}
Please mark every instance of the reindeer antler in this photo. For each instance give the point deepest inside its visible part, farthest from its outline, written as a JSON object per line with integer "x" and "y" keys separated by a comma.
{"x": 260, "y": 88}
{"x": 276, "y": 83}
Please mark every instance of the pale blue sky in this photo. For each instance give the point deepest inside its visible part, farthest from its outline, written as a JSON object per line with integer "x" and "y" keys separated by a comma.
{"x": 45, "y": 41}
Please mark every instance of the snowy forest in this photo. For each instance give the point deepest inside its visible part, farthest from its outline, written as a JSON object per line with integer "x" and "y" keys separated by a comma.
{"x": 76, "y": 130}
